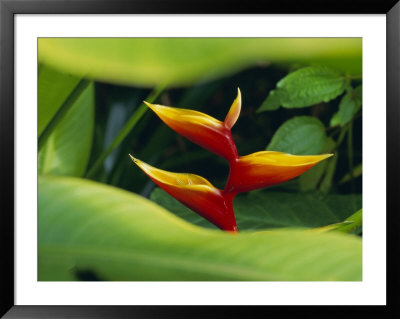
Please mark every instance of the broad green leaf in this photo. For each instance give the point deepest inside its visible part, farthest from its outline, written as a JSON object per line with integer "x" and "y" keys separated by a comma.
{"x": 301, "y": 135}
{"x": 349, "y": 105}
{"x": 270, "y": 209}
{"x": 53, "y": 89}
{"x": 305, "y": 87}
{"x": 67, "y": 149}
{"x": 116, "y": 235}
{"x": 183, "y": 61}
{"x": 309, "y": 86}
{"x": 321, "y": 175}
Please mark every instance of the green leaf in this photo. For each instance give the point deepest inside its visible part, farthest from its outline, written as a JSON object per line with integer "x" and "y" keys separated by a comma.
{"x": 349, "y": 105}
{"x": 183, "y": 61}
{"x": 301, "y": 135}
{"x": 356, "y": 173}
{"x": 305, "y": 87}
{"x": 265, "y": 210}
{"x": 123, "y": 133}
{"x": 116, "y": 235}
{"x": 67, "y": 149}
{"x": 309, "y": 86}
{"x": 272, "y": 102}
{"x": 53, "y": 89}
{"x": 335, "y": 120}
{"x": 352, "y": 224}
{"x": 320, "y": 177}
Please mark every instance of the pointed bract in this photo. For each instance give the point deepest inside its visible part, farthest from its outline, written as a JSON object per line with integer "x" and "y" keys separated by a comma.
{"x": 268, "y": 168}
{"x": 196, "y": 193}
{"x": 201, "y": 128}
{"x": 234, "y": 111}
{"x": 247, "y": 173}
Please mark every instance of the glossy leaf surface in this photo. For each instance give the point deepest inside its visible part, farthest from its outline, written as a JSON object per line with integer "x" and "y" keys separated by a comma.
{"x": 122, "y": 236}
{"x": 67, "y": 149}
{"x": 53, "y": 89}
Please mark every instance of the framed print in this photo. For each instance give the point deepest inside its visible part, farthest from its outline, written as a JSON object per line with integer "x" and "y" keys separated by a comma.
{"x": 159, "y": 155}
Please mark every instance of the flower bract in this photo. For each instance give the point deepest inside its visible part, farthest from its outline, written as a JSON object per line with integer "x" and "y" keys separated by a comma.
{"x": 267, "y": 168}
{"x": 250, "y": 172}
{"x": 196, "y": 193}
{"x": 201, "y": 128}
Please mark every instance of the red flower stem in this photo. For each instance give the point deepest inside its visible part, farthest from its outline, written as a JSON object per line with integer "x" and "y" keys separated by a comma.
{"x": 230, "y": 221}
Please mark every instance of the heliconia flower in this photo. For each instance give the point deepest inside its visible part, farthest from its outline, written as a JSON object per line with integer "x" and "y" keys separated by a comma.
{"x": 246, "y": 173}
{"x": 267, "y": 168}
{"x": 203, "y": 129}
{"x": 196, "y": 193}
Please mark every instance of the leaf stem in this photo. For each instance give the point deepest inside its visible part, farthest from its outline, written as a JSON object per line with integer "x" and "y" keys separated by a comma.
{"x": 130, "y": 124}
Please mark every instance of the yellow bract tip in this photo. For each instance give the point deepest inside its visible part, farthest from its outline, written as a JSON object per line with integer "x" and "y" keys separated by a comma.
{"x": 234, "y": 111}
{"x": 149, "y": 104}
{"x": 134, "y": 159}
{"x": 283, "y": 159}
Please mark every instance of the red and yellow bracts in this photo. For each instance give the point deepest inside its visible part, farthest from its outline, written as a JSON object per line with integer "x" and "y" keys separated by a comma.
{"x": 250, "y": 172}
{"x": 195, "y": 192}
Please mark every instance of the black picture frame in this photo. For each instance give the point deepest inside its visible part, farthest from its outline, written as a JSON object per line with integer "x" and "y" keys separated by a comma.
{"x": 8, "y": 10}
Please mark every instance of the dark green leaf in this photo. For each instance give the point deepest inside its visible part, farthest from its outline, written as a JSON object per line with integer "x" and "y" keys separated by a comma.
{"x": 356, "y": 173}
{"x": 309, "y": 86}
{"x": 301, "y": 135}
{"x": 321, "y": 175}
{"x": 267, "y": 209}
{"x": 349, "y": 105}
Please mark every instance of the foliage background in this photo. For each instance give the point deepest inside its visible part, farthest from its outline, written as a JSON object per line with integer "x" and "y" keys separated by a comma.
{"x": 91, "y": 117}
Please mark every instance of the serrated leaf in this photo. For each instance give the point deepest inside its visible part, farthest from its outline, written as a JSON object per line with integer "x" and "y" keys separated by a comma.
{"x": 349, "y": 105}
{"x": 301, "y": 135}
{"x": 67, "y": 149}
{"x": 309, "y": 86}
{"x": 53, "y": 88}
{"x": 270, "y": 209}
{"x": 116, "y": 235}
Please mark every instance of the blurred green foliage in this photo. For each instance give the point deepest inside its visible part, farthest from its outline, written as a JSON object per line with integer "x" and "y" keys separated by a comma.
{"x": 185, "y": 61}
{"x": 302, "y": 96}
